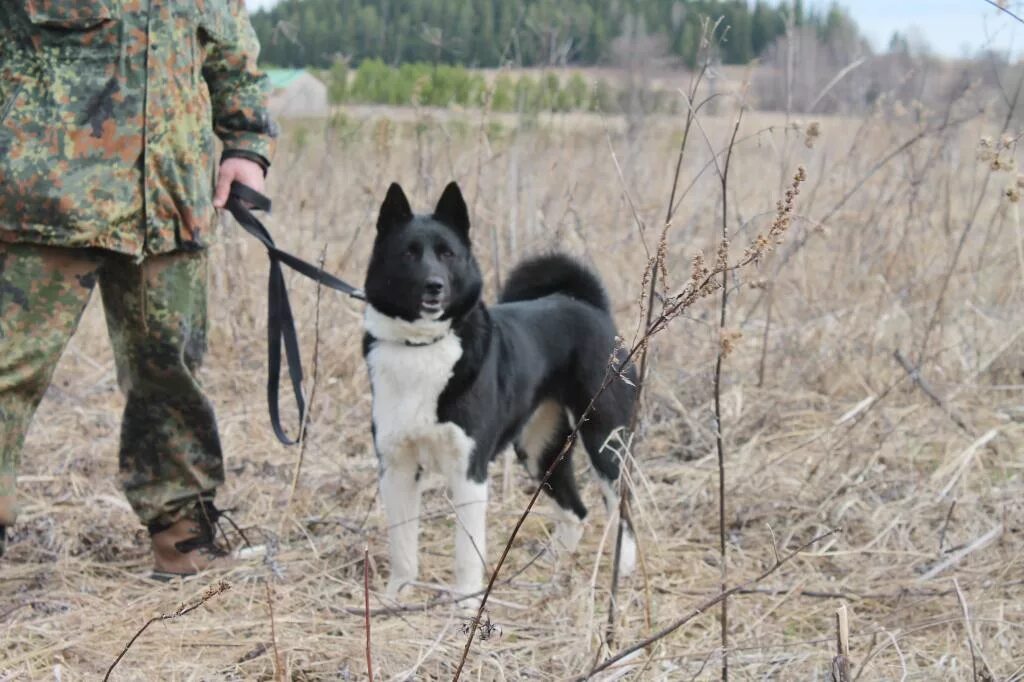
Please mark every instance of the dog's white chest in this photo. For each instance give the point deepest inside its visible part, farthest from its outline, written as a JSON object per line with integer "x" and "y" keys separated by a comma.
{"x": 407, "y": 382}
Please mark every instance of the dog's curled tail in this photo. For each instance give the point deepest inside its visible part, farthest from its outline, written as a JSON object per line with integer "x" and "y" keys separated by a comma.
{"x": 554, "y": 273}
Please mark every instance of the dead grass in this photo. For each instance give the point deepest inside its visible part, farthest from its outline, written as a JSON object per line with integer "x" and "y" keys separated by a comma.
{"x": 838, "y": 435}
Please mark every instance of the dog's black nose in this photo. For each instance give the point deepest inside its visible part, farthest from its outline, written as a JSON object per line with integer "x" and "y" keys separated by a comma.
{"x": 434, "y": 286}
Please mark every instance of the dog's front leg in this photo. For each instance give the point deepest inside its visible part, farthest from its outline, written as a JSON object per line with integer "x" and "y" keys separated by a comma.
{"x": 400, "y": 493}
{"x": 470, "y": 500}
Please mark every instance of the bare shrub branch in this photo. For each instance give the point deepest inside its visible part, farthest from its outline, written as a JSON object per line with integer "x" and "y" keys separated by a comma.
{"x": 185, "y": 608}
{"x": 703, "y": 608}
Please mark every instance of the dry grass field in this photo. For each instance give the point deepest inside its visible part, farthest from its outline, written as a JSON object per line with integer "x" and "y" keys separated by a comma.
{"x": 905, "y": 242}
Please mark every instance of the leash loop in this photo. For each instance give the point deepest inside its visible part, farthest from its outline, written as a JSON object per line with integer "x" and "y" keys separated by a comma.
{"x": 280, "y": 320}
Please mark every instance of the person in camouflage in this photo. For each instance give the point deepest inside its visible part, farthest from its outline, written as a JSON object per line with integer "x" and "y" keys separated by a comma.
{"x": 109, "y": 110}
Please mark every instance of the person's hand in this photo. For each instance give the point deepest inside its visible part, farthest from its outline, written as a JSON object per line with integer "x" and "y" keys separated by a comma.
{"x": 244, "y": 171}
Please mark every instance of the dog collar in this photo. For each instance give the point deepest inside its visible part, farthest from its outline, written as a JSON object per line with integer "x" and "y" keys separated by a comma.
{"x": 420, "y": 344}
{"x": 394, "y": 330}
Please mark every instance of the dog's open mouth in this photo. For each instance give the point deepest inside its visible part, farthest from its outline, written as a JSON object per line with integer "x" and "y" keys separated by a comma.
{"x": 431, "y": 305}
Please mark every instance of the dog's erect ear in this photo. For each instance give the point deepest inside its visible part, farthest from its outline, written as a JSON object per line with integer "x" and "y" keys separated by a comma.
{"x": 451, "y": 210}
{"x": 395, "y": 210}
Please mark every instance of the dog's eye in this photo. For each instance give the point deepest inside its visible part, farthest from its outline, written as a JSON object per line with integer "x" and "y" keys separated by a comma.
{"x": 411, "y": 252}
{"x": 445, "y": 252}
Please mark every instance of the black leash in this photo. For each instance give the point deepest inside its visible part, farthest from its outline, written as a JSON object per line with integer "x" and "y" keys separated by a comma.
{"x": 280, "y": 321}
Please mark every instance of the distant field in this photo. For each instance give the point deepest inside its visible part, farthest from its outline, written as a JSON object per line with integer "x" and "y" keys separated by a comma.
{"x": 811, "y": 86}
{"x": 905, "y": 242}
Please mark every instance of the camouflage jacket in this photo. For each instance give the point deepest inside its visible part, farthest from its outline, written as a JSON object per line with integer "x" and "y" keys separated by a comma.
{"x": 108, "y": 114}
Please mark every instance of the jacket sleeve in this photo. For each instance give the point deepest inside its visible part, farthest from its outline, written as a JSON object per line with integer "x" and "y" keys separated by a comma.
{"x": 238, "y": 89}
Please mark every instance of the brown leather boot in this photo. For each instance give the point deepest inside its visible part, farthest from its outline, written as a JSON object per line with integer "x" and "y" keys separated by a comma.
{"x": 189, "y": 545}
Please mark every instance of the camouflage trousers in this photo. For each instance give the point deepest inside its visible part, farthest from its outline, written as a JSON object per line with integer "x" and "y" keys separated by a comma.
{"x": 156, "y": 315}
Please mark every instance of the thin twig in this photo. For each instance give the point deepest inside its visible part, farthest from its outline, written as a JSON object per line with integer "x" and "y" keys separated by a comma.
{"x": 656, "y": 266}
{"x": 832, "y": 83}
{"x": 764, "y": 335}
{"x": 723, "y": 256}
{"x": 185, "y": 608}
{"x": 967, "y": 626}
{"x": 841, "y": 662}
{"x": 1002, "y": 8}
{"x": 366, "y": 611}
{"x": 702, "y": 608}
{"x": 945, "y": 526}
{"x": 278, "y": 661}
{"x": 703, "y": 664}
{"x": 915, "y": 374}
{"x": 958, "y": 556}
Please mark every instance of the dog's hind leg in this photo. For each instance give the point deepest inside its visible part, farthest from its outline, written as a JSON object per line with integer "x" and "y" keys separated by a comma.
{"x": 400, "y": 494}
{"x": 604, "y": 436}
{"x": 540, "y": 443}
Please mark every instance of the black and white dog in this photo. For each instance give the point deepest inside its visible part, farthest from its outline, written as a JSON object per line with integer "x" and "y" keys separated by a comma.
{"x": 455, "y": 382}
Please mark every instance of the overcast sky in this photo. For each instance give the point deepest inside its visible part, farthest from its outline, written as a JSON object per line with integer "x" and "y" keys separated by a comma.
{"x": 950, "y": 27}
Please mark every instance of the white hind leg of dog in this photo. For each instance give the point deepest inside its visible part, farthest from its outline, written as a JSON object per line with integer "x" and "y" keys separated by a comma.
{"x": 627, "y": 557}
{"x": 400, "y": 494}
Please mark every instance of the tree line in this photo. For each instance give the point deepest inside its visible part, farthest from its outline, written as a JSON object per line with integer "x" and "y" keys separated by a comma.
{"x": 492, "y": 33}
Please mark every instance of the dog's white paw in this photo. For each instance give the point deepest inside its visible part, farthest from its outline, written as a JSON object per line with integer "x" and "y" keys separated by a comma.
{"x": 627, "y": 556}
{"x": 568, "y": 532}
{"x": 395, "y": 586}
{"x": 468, "y": 606}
